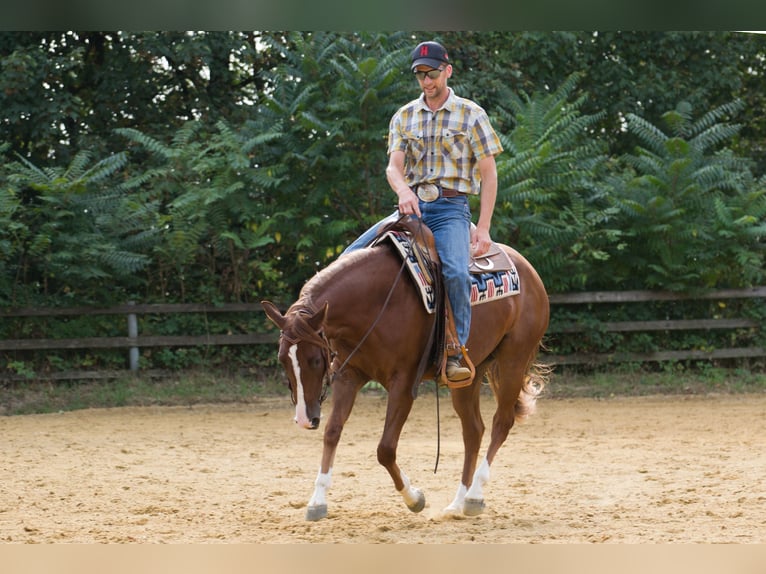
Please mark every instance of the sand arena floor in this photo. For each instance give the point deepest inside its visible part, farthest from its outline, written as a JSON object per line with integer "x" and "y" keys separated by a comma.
{"x": 622, "y": 470}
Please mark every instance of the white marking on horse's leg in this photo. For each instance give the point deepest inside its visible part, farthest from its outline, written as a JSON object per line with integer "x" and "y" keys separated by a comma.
{"x": 413, "y": 497}
{"x": 456, "y": 506}
{"x": 321, "y": 485}
{"x": 317, "y": 507}
{"x": 474, "y": 498}
{"x": 301, "y": 417}
{"x": 480, "y": 478}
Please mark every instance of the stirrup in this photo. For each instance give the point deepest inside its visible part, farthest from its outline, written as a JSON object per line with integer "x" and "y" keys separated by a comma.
{"x": 459, "y": 384}
{"x": 455, "y": 372}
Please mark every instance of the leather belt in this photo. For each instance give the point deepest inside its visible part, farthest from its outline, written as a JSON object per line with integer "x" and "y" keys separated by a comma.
{"x": 432, "y": 191}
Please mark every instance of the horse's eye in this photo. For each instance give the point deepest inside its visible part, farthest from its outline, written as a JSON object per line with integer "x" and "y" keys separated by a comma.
{"x": 315, "y": 363}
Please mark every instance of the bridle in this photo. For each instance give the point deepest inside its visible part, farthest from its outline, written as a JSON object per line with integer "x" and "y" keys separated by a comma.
{"x": 319, "y": 339}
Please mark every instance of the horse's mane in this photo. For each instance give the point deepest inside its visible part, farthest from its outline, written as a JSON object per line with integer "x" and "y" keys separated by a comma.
{"x": 310, "y": 298}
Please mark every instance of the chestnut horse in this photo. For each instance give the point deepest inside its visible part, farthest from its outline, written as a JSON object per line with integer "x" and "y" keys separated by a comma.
{"x": 359, "y": 320}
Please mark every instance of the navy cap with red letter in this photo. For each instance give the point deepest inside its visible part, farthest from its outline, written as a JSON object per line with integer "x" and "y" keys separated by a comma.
{"x": 430, "y": 54}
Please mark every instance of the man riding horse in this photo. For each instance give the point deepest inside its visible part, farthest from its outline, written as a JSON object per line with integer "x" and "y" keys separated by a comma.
{"x": 442, "y": 149}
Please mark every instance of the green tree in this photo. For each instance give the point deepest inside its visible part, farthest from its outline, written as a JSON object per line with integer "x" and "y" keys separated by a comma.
{"x": 206, "y": 198}
{"x": 334, "y": 95}
{"x": 262, "y": 154}
{"x": 550, "y": 203}
{"x": 61, "y": 92}
{"x": 693, "y": 215}
{"x": 67, "y": 232}
{"x": 640, "y": 72}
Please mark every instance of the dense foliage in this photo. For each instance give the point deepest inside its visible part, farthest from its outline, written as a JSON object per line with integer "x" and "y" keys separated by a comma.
{"x": 230, "y": 166}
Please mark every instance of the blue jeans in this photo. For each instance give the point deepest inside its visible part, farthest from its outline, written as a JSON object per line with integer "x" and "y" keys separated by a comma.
{"x": 449, "y": 218}
{"x": 366, "y": 238}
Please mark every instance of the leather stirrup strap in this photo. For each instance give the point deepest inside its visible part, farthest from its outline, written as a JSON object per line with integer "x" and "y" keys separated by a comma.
{"x": 451, "y": 341}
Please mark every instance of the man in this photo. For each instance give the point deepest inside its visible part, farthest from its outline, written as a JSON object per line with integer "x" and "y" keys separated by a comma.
{"x": 442, "y": 149}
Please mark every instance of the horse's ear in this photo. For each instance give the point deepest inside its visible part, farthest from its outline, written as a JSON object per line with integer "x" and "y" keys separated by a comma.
{"x": 273, "y": 313}
{"x": 317, "y": 320}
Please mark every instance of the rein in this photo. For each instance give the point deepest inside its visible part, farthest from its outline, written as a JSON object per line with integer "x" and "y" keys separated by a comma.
{"x": 426, "y": 262}
{"x": 422, "y": 366}
{"x": 420, "y": 257}
{"x": 375, "y": 322}
{"x": 320, "y": 339}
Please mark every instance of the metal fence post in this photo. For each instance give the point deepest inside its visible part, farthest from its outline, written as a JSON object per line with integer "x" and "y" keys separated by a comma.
{"x": 133, "y": 333}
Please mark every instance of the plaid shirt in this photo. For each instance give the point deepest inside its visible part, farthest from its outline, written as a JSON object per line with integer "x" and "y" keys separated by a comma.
{"x": 444, "y": 146}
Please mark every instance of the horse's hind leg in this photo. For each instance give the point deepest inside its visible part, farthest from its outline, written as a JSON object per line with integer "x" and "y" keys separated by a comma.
{"x": 465, "y": 401}
{"x": 507, "y": 378}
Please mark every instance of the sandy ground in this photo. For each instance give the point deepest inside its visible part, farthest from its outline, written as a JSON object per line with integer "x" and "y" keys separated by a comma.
{"x": 622, "y": 470}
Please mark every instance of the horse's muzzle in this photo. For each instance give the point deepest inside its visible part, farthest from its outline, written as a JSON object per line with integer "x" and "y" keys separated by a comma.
{"x": 311, "y": 424}
{"x": 308, "y": 420}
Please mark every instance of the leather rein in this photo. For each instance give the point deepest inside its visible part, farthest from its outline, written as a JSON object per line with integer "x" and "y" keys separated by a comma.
{"x": 320, "y": 339}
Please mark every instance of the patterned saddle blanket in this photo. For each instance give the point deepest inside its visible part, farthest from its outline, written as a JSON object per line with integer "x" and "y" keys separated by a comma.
{"x": 493, "y": 276}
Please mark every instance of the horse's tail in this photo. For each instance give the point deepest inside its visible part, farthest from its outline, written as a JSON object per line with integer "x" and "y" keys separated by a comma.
{"x": 534, "y": 382}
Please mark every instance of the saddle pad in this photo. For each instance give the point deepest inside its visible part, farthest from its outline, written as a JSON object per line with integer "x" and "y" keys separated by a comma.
{"x": 496, "y": 285}
{"x": 422, "y": 277}
{"x": 485, "y": 287}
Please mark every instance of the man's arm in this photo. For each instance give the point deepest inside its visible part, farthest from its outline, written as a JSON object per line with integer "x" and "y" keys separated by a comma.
{"x": 480, "y": 238}
{"x": 408, "y": 201}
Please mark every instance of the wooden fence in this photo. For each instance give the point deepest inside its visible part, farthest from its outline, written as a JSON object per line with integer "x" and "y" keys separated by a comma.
{"x": 133, "y": 341}
{"x": 625, "y": 297}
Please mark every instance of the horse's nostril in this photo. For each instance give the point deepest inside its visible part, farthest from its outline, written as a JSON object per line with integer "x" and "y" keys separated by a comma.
{"x": 315, "y": 423}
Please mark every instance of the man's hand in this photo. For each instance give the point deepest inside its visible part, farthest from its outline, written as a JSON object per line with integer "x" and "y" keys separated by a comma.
{"x": 480, "y": 241}
{"x": 408, "y": 203}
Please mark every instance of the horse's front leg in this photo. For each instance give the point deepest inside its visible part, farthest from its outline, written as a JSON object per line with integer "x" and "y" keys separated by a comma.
{"x": 344, "y": 394}
{"x": 399, "y": 406}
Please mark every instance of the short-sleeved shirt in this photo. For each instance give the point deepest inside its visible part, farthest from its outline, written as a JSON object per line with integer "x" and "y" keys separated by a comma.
{"x": 444, "y": 146}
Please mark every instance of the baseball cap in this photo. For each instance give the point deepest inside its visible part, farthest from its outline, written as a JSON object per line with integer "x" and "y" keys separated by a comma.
{"x": 429, "y": 54}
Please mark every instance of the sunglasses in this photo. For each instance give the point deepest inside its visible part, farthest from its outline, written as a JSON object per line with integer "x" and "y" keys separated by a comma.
{"x": 433, "y": 74}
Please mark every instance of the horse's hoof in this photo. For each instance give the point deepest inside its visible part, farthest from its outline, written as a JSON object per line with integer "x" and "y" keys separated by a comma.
{"x": 314, "y": 513}
{"x": 453, "y": 512}
{"x": 419, "y": 504}
{"x": 473, "y": 506}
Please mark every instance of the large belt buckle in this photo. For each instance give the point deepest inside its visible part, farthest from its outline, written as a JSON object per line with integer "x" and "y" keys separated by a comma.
{"x": 428, "y": 192}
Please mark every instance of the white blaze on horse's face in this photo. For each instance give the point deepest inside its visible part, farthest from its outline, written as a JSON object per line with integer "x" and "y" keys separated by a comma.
{"x": 301, "y": 414}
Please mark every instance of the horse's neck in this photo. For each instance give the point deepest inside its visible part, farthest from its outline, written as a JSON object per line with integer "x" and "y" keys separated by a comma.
{"x": 351, "y": 286}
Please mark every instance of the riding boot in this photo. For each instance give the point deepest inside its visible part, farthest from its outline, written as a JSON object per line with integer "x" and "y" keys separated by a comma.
{"x": 455, "y": 371}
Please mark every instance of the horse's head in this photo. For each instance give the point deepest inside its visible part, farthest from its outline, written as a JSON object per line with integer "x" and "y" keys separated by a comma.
{"x": 305, "y": 355}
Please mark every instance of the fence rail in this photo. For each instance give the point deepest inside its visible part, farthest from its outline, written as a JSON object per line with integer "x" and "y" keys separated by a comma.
{"x": 624, "y": 297}
{"x": 639, "y": 296}
{"x": 134, "y": 341}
